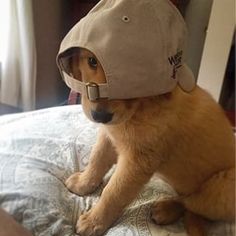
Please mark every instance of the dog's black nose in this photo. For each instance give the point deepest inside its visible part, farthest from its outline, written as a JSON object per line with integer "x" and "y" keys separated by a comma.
{"x": 101, "y": 116}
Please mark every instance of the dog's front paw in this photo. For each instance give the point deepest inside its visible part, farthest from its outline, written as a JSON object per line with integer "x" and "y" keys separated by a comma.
{"x": 80, "y": 184}
{"x": 89, "y": 225}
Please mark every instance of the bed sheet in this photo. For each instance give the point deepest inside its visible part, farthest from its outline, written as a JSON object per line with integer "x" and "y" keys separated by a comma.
{"x": 39, "y": 150}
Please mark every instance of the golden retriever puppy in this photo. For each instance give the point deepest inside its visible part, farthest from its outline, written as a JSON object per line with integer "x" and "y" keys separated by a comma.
{"x": 182, "y": 137}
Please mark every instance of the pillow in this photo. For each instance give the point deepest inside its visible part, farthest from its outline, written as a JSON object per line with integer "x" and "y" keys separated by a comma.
{"x": 39, "y": 150}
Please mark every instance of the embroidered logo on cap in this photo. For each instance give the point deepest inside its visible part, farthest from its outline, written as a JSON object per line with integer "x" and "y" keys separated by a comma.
{"x": 176, "y": 62}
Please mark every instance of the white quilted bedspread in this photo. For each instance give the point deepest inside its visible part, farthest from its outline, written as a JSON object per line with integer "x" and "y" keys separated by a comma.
{"x": 39, "y": 150}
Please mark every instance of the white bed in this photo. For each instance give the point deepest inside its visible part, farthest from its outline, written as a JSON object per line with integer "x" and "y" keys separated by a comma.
{"x": 39, "y": 150}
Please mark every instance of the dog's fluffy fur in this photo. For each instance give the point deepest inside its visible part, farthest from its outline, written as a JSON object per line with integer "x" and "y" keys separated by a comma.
{"x": 184, "y": 138}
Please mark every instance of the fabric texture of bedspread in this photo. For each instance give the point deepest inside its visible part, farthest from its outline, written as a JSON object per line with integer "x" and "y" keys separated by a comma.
{"x": 39, "y": 150}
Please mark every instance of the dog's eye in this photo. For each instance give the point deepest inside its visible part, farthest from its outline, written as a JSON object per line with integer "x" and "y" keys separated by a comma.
{"x": 92, "y": 62}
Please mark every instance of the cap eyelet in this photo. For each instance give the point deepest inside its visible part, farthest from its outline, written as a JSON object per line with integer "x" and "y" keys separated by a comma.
{"x": 126, "y": 19}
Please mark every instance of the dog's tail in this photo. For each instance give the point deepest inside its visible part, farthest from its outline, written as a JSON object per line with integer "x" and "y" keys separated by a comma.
{"x": 195, "y": 224}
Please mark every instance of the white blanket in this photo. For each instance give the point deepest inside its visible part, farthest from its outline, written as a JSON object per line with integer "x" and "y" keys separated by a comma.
{"x": 39, "y": 151}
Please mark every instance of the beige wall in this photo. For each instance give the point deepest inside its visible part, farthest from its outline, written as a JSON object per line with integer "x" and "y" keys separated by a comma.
{"x": 217, "y": 47}
{"x": 50, "y": 23}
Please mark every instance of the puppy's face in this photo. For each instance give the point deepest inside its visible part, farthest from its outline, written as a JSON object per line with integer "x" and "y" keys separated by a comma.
{"x": 87, "y": 68}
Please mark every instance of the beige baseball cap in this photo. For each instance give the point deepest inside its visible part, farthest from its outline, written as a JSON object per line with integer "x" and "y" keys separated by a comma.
{"x": 140, "y": 45}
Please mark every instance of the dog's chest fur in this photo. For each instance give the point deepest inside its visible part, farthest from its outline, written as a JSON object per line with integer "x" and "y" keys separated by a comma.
{"x": 174, "y": 139}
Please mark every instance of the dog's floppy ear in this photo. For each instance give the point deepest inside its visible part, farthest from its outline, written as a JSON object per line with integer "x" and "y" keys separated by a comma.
{"x": 69, "y": 62}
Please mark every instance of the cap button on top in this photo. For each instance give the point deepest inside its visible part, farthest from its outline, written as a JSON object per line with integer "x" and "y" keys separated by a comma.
{"x": 126, "y": 19}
